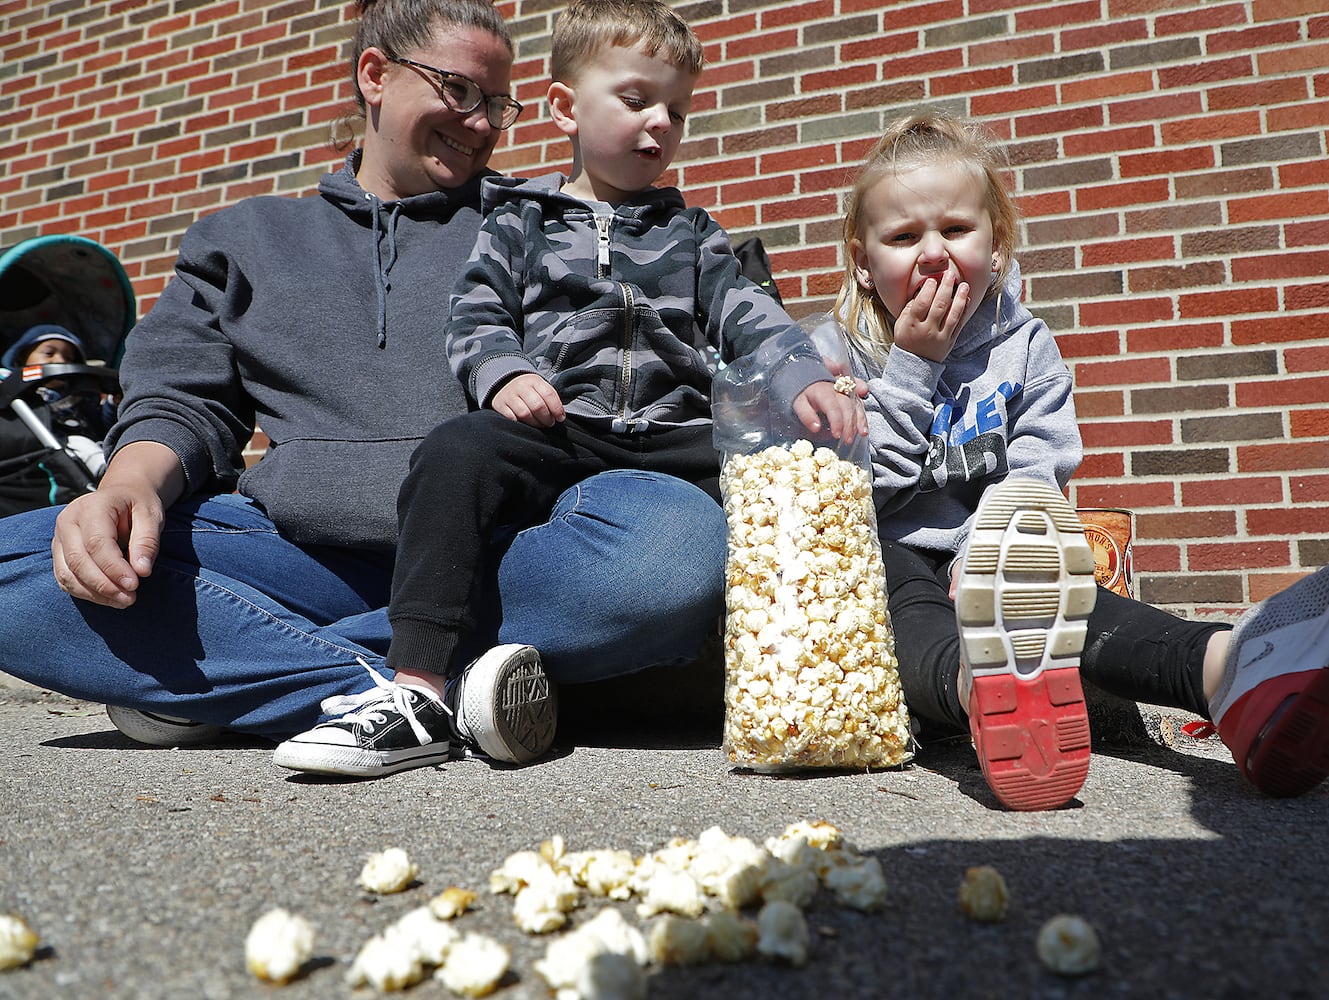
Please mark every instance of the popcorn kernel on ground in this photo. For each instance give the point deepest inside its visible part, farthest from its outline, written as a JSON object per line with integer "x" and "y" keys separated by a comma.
{"x": 983, "y": 894}
{"x": 1068, "y": 945}
{"x": 18, "y": 942}
{"x": 388, "y": 871}
{"x": 783, "y": 933}
{"x": 812, "y": 679}
{"x": 474, "y": 966}
{"x": 278, "y": 945}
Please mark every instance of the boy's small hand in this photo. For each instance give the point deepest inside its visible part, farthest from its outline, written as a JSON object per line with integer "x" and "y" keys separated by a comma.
{"x": 529, "y": 399}
{"x": 843, "y": 415}
{"x": 929, "y": 325}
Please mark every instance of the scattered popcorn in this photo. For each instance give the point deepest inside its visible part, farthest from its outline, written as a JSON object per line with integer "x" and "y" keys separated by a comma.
{"x": 430, "y": 937}
{"x": 732, "y": 938}
{"x": 602, "y": 872}
{"x": 542, "y": 904}
{"x": 983, "y": 894}
{"x": 451, "y": 902}
{"x": 782, "y": 932}
{"x": 729, "y": 868}
{"x": 388, "y": 871}
{"x": 672, "y": 892}
{"x": 400, "y": 955}
{"x": 18, "y": 942}
{"x": 388, "y": 962}
{"x": 607, "y": 932}
{"x": 1068, "y": 945}
{"x": 474, "y": 966}
{"x": 809, "y": 651}
{"x": 858, "y": 883}
{"x": 679, "y": 941}
{"x": 608, "y": 976}
{"x": 517, "y": 870}
{"x": 794, "y": 884}
{"x": 278, "y": 945}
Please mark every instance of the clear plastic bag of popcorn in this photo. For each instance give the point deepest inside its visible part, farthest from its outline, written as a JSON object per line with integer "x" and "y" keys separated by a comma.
{"x": 811, "y": 675}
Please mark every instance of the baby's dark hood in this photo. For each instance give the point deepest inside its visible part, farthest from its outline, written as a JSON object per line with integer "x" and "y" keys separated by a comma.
{"x": 35, "y": 335}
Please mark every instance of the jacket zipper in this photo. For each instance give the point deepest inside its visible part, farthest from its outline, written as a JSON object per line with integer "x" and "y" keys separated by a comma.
{"x": 602, "y": 225}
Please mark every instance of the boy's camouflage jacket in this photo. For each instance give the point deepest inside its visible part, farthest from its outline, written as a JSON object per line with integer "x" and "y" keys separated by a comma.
{"x": 619, "y": 311}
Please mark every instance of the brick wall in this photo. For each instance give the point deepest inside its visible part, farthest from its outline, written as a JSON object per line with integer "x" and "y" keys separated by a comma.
{"x": 1169, "y": 156}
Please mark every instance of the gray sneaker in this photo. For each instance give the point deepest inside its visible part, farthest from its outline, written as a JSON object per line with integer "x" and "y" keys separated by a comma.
{"x": 504, "y": 706}
{"x": 161, "y": 730}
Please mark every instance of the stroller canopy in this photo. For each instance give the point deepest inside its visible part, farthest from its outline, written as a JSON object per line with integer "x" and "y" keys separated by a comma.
{"x": 70, "y": 281}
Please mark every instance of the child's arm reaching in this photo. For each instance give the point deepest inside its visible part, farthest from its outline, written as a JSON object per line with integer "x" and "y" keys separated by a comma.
{"x": 843, "y": 414}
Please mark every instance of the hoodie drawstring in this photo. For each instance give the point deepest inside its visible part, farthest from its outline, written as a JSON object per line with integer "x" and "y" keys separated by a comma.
{"x": 382, "y": 269}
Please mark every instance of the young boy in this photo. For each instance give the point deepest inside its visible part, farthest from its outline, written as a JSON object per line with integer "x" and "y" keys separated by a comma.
{"x": 579, "y": 330}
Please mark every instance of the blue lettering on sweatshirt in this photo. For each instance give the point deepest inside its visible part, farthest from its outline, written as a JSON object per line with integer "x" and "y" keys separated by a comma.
{"x": 969, "y": 448}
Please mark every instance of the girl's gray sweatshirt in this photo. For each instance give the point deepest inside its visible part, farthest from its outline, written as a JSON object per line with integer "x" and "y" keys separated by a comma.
{"x": 999, "y": 406}
{"x": 322, "y": 317}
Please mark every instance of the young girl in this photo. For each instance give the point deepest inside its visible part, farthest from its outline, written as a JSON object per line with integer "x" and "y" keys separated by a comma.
{"x": 973, "y": 438}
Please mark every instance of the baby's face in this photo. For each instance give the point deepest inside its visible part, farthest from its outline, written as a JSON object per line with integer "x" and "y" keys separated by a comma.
{"x": 52, "y": 352}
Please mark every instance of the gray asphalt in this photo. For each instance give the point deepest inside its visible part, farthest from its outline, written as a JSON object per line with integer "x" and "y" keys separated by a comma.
{"x": 143, "y": 869}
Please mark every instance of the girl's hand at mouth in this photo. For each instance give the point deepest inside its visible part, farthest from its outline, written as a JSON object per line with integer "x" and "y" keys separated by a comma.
{"x": 930, "y": 322}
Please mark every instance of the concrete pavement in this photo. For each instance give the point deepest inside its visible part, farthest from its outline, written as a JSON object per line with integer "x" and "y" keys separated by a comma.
{"x": 143, "y": 869}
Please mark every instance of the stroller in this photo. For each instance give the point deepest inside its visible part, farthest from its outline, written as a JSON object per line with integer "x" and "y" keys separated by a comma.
{"x": 76, "y": 284}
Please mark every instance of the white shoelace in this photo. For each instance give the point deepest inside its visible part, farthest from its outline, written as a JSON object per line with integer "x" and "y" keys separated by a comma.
{"x": 364, "y": 707}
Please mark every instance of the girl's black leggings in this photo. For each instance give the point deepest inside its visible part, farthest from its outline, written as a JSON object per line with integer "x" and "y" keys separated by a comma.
{"x": 1132, "y": 650}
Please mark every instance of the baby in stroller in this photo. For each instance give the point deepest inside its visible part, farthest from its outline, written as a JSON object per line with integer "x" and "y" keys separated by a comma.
{"x": 51, "y": 427}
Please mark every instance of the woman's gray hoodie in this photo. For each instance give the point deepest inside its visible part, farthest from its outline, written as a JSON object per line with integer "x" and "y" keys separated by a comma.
{"x": 323, "y": 318}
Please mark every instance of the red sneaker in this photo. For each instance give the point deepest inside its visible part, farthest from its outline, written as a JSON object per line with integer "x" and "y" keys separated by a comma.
{"x": 1272, "y": 707}
{"x": 1025, "y": 592}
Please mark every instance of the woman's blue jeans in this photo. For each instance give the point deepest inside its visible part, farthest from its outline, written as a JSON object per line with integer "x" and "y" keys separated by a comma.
{"x": 238, "y": 626}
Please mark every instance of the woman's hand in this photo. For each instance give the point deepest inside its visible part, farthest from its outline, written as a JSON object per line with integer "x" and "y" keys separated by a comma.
{"x": 106, "y": 542}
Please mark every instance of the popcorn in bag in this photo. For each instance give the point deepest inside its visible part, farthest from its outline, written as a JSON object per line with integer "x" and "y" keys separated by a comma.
{"x": 811, "y": 675}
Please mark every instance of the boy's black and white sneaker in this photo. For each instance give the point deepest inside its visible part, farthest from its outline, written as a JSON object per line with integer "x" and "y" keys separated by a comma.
{"x": 504, "y": 706}
{"x": 157, "y": 730}
{"x": 389, "y": 728}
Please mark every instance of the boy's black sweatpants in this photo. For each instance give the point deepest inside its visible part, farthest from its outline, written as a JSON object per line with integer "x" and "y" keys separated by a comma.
{"x": 481, "y": 471}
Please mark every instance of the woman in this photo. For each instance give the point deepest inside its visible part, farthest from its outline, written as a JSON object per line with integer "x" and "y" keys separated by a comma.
{"x": 197, "y": 609}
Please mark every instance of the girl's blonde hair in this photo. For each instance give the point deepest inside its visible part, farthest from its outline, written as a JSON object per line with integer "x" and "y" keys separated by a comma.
{"x": 921, "y": 139}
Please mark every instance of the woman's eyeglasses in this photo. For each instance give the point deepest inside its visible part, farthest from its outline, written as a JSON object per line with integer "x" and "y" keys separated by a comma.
{"x": 463, "y": 95}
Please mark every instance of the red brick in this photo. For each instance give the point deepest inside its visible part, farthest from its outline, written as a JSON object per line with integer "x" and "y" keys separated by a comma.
{"x": 1127, "y": 311}
{"x": 1265, "y": 585}
{"x": 1156, "y": 558}
{"x": 1132, "y": 494}
{"x": 1175, "y": 337}
{"x": 1275, "y": 329}
{"x": 1126, "y": 433}
{"x": 1100, "y": 88}
{"x": 1281, "y": 522}
{"x": 1117, "y": 195}
{"x": 1089, "y": 344}
{"x": 1308, "y": 423}
{"x": 1309, "y": 296}
{"x": 1102, "y": 465}
{"x": 1227, "y": 303}
{"x": 1231, "y": 492}
{"x": 1127, "y": 371}
{"x": 1191, "y": 523}
{"x": 1283, "y": 457}
{"x": 1167, "y": 162}
{"x": 1204, "y": 557}
{"x": 1199, "y": 127}
{"x": 1124, "y": 251}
